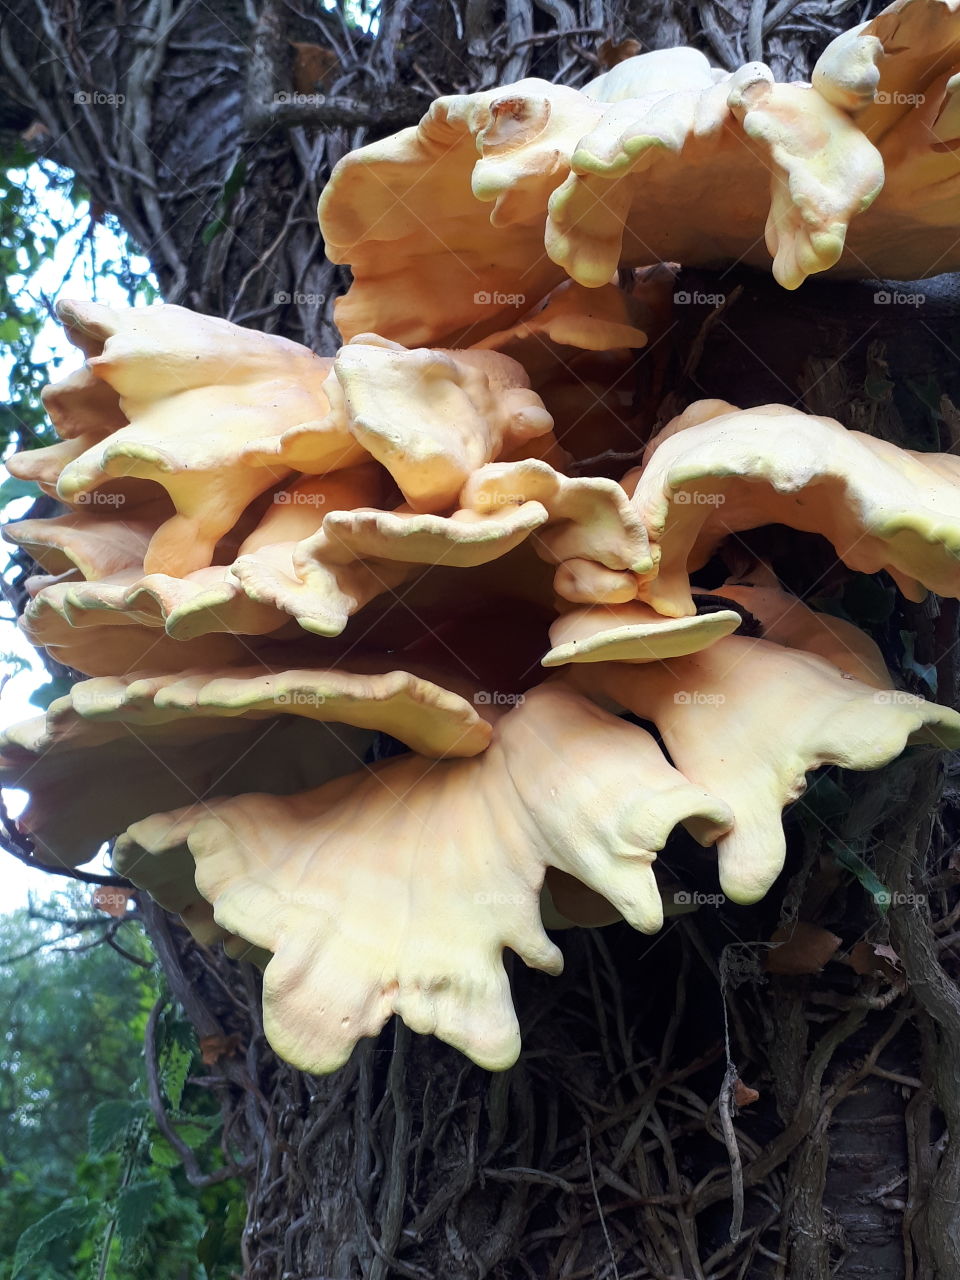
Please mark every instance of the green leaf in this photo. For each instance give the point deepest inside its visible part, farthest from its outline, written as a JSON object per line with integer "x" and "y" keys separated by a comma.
{"x": 109, "y": 1124}
{"x": 134, "y": 1205}
{"x": 210, "y": 1244}
{"x": 194, "y": 1135}
{"x": 212, "y": 230}
{"x": 68, "y": 1217}
{"x": 825, "y": 799}
{"x": 12, "y": 488}
{"x": 234, "y": 182}
{"x": 852, "y": 862}
{"x": 174, "y": 1071}
{"x": 47, "y": 693}
{"x": 163, "y": 1155}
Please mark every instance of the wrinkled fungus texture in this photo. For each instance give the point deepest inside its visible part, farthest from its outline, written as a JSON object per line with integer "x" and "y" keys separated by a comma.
{"x": 369, "y": 641}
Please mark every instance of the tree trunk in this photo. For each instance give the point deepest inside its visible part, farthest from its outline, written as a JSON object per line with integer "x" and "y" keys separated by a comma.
{"x": 615, "y": 1147}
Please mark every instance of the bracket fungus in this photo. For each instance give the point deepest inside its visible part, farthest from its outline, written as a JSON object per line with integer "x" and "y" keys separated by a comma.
{"x": 278, "y": 568}
{"x": 897, "y": 77}
{"x": 718, "y": 711}
{"x": 193, "y": 389}
{"x": 881, "y": 507}
{"x": 409, "y": 910}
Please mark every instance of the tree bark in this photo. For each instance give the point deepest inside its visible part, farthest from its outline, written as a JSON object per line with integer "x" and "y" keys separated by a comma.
{"x": 613, "y": 1147}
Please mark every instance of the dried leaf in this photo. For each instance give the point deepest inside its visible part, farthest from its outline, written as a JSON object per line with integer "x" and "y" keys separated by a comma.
{"x": 35, "y": 132}
{"x": 801, "y": 948}
{"x": 743, "y": 1095}
{"x": 875, "y": 959}
{"x": 610, "y": 52}
{"x": 314, "y": 66}
{"x": 215, "y": 1047}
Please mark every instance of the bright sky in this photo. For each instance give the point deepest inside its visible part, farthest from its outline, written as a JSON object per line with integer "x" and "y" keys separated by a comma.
{"x": 75, "y": 270}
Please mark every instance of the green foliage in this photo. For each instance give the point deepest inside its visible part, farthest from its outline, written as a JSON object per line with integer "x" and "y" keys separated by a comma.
{"x": 66, "y": 1220}
{"x": 44, "y": 694}
{"x": 12, "y": 488}
{"x": 231, "y": 188}
{"x": 89, "y": 1189}
{"x": 110, "y": 1124}
{"x": 852, "y": 861}
{"x": 133, "y": 1208}
{"x": 174, "y": 1068}
{"x": 26, "y": 239}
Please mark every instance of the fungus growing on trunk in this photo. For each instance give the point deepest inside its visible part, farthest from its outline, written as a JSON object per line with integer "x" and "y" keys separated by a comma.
{"x": 720, "y": 713}
{"x": 409, "y": 909}
{"x": 279, "y": 569}
{"x": 881, "y": 507}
